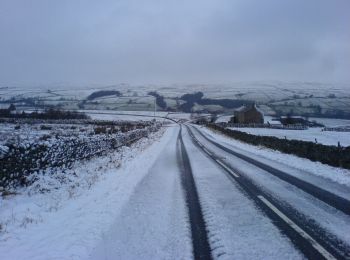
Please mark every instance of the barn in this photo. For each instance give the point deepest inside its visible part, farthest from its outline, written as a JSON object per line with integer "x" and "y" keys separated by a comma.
{"x": 249, "y": 114}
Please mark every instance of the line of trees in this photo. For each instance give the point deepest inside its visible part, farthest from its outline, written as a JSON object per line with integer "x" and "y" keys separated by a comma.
{"x": 159, "y": 99}
{"x": 103, "y": 93}
{"x": 197, "y": 97}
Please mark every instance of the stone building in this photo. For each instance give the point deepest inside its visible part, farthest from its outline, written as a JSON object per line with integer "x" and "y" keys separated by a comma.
{"x": 248, "y": 115}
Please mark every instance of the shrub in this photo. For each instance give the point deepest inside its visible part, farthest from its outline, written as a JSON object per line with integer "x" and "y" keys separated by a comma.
{"x": 45, "y": 127}
{"x": 100, "y": 130}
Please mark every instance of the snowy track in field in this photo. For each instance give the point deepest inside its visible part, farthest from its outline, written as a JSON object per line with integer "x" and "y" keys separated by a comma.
{"x": 327, "y": 227}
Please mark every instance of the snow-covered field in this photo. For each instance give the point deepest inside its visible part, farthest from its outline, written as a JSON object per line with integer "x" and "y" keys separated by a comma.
{"x": 259, "y": 90}
{"x": 331, "y": 122}
{"x": 327, "y": 122}
{"x": 302, "y": 97}
{"x": 135, "y": 115}
{"x": 124, "y": 117}
{"x": 323, "y": 137}
{"x": 39, "y": 133}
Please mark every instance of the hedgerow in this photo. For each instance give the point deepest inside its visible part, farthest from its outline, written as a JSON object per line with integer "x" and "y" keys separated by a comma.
{"x": 54, "y": 151}
{"x": 327, "y": 154}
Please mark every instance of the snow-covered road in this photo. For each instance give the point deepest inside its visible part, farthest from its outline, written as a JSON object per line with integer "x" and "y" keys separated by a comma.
{"x": 237, "y": 229}
{"x": 141, "y": 209}
{"x": 153, "y": 224}
{"x": 314, "y": 214}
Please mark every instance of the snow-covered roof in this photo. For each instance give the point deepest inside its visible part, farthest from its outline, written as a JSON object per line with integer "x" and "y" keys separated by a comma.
{"x": 258, "y": 109}
{"x": 296, "y": 117}
{"x": 241, "y": 109}
{"x": 245, "y": 108}
{"x": 273, "y": 122}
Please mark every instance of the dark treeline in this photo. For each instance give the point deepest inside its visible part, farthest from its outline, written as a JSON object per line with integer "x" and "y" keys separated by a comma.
{"x": 192, "y": 98}
{"x": 159, "y": 99}
{"x": 197, "y": 97}
{"x": 103, "y": 93}
{"x": 51, "y": 113}
{"x": 331, "y": 155}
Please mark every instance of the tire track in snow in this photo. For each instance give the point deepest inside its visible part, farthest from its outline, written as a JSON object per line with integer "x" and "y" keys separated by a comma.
{"x": 217, "y": 247}
{"x": 201, "y": 248}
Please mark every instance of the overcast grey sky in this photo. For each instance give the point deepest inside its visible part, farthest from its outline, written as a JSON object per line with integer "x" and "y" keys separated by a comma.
{"x": 168, "y": 41}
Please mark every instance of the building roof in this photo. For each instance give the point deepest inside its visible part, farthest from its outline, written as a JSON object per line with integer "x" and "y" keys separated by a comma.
{"x": 245, "y": 108}
{"x": 242, "y": 109}
{"x": 294, "y": 117}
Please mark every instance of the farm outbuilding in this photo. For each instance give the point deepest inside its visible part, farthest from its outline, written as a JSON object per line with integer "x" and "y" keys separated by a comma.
{"x": 248, "y": 115}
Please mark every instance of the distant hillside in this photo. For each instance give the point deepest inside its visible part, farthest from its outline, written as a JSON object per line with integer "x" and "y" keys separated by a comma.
{"x": 311, "y": 99}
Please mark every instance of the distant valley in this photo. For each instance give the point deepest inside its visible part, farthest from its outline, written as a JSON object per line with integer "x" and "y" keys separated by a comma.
{"x": 273, "y": 98}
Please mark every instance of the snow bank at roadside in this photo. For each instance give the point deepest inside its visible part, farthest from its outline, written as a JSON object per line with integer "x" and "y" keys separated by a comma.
{"x": 338, "y": 175}
{"x": 154, "y": 223}
{"x": 64, "y": 219}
